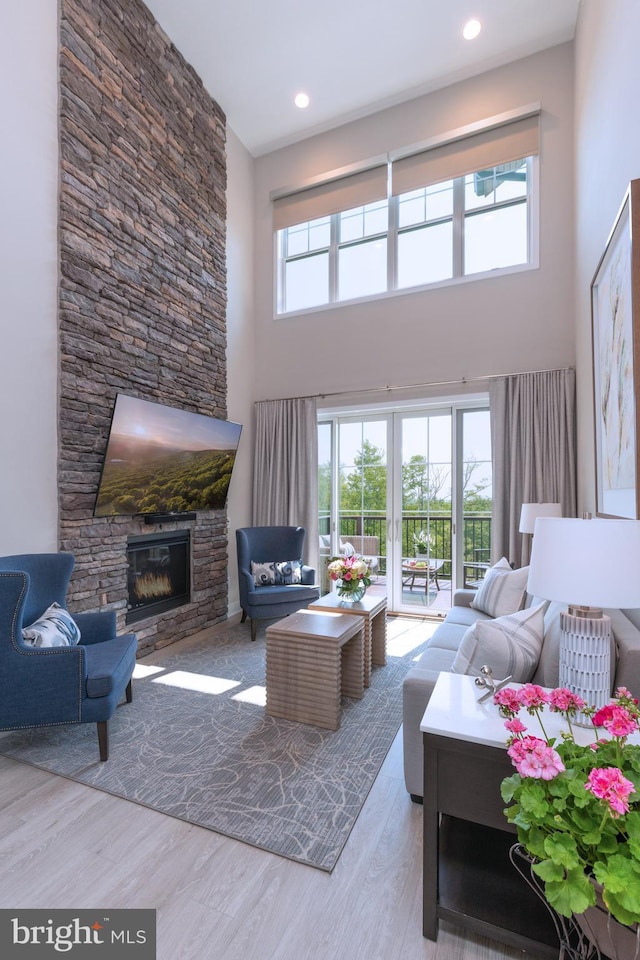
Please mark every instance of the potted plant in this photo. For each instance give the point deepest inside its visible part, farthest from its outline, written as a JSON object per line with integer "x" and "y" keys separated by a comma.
{"x": 577, "y": 807}
{"x": 422, "y": 543}
{"x": 351, "y": 575}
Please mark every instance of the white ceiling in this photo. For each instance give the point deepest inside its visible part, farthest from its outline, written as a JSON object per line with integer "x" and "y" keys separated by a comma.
{"x": 352, "y": 57}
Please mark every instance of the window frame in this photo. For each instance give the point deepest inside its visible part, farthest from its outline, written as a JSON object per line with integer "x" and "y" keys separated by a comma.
{"x": 531, "y": 200}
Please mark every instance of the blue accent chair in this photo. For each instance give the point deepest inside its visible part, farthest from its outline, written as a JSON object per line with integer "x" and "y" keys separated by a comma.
{"x": 44, "y": 686}
{"x": 264, "y": 545}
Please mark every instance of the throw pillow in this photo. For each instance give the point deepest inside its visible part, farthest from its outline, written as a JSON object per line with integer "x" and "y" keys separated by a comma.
{"x": 264, "y": 574}
{"x": 510, "y": 645}
{"x": 502, "y": 591}
{"x": 272, "y": 572}
{"x": 347, "y": 549}
{"x": 289, "y": 571}
{"x": 55, "y": 628}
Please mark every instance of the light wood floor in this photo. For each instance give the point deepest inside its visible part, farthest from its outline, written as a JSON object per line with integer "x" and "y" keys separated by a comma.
{"x": 65, "y": 845}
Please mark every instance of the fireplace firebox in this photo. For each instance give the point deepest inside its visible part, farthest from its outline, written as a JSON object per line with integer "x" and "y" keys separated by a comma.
{"x": 159, "y": 573}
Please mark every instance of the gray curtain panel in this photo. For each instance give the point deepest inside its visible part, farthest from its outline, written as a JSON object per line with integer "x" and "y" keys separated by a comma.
{"x": 533, "y": 434}
{"x": 285, "y": 468}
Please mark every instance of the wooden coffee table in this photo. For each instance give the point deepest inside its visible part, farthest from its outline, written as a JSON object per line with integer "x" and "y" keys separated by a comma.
{"x": 314, "y": 659}
{"x": 372, "y": 610}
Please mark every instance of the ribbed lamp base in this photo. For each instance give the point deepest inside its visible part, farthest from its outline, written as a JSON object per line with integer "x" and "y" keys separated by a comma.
{"x": 585, "y": 660}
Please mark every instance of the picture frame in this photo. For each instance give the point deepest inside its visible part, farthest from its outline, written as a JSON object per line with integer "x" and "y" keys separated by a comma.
{"x": 615, "y": 318}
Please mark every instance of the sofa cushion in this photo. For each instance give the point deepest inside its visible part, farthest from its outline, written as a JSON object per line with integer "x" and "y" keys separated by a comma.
{"x": 465, "y": 616}
{"x": 503, "y": 590}
{"x": 284, "y": 593}
{"x": 55, "y": 628}
{"x": 510, "y": 645}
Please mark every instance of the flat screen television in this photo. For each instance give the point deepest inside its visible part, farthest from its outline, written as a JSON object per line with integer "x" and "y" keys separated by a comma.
{"x": 162, "y": 460}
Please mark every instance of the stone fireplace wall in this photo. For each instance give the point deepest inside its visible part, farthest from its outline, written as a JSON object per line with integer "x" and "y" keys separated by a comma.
{"x": 142, "y": 295}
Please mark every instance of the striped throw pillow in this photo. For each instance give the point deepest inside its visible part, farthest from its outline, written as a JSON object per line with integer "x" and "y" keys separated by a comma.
{"x": 510, "y": 645}
{"x": 502, "y": 591}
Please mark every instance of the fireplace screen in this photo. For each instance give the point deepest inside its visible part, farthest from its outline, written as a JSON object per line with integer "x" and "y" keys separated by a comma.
{"x": 159, "y": 575}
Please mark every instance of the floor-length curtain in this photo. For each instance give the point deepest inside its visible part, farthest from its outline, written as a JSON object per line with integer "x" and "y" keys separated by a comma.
{"x": 285, "y": 469}
{"x": 533, "y": 435}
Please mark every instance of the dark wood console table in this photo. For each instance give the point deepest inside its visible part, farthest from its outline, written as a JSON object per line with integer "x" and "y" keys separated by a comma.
{"x": 468, "y": 878}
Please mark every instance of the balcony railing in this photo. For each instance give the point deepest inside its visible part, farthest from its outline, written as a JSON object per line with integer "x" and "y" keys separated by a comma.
{"x": 476, "y": 532}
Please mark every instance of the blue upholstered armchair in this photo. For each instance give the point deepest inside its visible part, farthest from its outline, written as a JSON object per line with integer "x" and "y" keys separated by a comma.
{"x": 42, "y": 686}
{"x": 268, "y": 547}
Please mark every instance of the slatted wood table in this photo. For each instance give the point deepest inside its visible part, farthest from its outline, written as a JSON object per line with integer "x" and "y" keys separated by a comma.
{"x": 314, "y": 659}
{"x": 372, "y": 609}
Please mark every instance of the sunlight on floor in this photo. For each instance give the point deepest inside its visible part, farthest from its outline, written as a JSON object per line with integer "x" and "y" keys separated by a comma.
{"x": 142, "y": 671}
{"x": 197, "y": 681}
{"x": 256, "y": 695}
{"x": 403, "y": 636}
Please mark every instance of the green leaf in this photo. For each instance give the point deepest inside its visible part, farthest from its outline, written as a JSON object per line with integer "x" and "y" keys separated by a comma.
{"x": 547, "y": 870}
{"x": 509, "y": 786}
{"x": 620, "y": 879}
{"x": 571, "y": 895}
{"x": 562, "y": 849}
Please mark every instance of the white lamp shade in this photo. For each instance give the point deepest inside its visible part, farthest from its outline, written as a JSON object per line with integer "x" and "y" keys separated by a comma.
{"x": 591, "y": 563}
{"x": 531, "y": 511}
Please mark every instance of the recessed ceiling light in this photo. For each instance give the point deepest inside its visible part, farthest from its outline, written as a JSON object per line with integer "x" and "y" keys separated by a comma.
{"x": 471, "y": 29}
{"x": 301, "y": 100}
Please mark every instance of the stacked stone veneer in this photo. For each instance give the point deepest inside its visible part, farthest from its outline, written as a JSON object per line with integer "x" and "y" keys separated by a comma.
{"x": 142, "y": 293}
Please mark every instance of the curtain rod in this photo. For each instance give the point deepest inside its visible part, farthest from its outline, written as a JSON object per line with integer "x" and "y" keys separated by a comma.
{"x": 417, "y": 386}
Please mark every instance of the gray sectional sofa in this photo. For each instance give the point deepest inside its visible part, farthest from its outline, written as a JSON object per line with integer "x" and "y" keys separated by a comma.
{"x": 444, "y": 647}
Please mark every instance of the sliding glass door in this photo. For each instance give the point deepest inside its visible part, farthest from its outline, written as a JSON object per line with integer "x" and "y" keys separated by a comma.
{"x": 424, "y": 545}
{"x": 354, "y": 489}
{"x": 411, "y": 491}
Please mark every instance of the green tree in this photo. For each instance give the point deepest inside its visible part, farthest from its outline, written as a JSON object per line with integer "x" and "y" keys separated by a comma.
{"x": 365, "y": 487}
{"x": 421, "y": 484}
{"x": 473, "y": 489}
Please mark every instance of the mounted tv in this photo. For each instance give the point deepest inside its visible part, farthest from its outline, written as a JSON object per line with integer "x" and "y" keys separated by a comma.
{"x": 161, "y": 461}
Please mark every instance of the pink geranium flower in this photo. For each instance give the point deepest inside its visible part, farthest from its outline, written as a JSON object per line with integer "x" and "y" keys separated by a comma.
{"x": 608, "y": 784}
{"x": 532, "y": 696}
{"x": 507, "y": 700}
{"x": 616, "y": 719}
{"x": 515, "y": 726}
{"x": 562, "y": 700}
{"x": 533, "y": 757}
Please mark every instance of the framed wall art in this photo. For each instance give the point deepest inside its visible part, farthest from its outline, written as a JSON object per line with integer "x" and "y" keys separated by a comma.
{"x": 615, "y": 315}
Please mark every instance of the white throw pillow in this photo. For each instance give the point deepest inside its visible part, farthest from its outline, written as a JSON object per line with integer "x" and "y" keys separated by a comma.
{"x": 502, "y": 591}
{"x": 55, "y": 628}
{"x": 510, "y": 645}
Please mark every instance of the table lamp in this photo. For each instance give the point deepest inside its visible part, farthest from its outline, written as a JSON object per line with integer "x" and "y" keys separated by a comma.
{"x": 588, "y": 564}
{"x": 531, "y": 511}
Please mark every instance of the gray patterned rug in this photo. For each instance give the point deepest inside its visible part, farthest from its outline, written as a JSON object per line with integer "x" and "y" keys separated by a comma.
{"x": 196, "y": 744}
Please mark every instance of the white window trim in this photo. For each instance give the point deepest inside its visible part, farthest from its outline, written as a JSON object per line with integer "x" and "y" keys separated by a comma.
{"x": 533, "y": 194}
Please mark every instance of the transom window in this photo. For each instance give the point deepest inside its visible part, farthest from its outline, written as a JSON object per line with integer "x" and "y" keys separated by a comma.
{"x": 463, "y": 206}
{"x": 474, "y": 224}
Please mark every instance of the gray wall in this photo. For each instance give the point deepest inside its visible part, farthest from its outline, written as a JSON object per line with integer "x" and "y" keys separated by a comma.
{"x": 523, "y": 321}
{"x": 28, "y": 277}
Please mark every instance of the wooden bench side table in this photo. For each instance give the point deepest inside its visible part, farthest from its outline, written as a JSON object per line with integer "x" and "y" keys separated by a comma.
{"x": 373, "y": 611}
{"x": 313, "y": 659}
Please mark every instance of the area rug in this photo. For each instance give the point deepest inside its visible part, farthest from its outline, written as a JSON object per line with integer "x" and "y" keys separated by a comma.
{"x": 196, "y": 744}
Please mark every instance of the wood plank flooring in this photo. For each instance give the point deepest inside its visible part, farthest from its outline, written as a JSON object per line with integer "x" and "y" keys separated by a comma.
{"x": 65, "y": 845}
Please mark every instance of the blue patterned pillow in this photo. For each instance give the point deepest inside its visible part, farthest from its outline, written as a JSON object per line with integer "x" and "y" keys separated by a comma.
{"x": 55, "y": 628}
{"x": 272, "y": 572}
{"x": 264, "y": 574}
{"x": 289, "y": 571}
